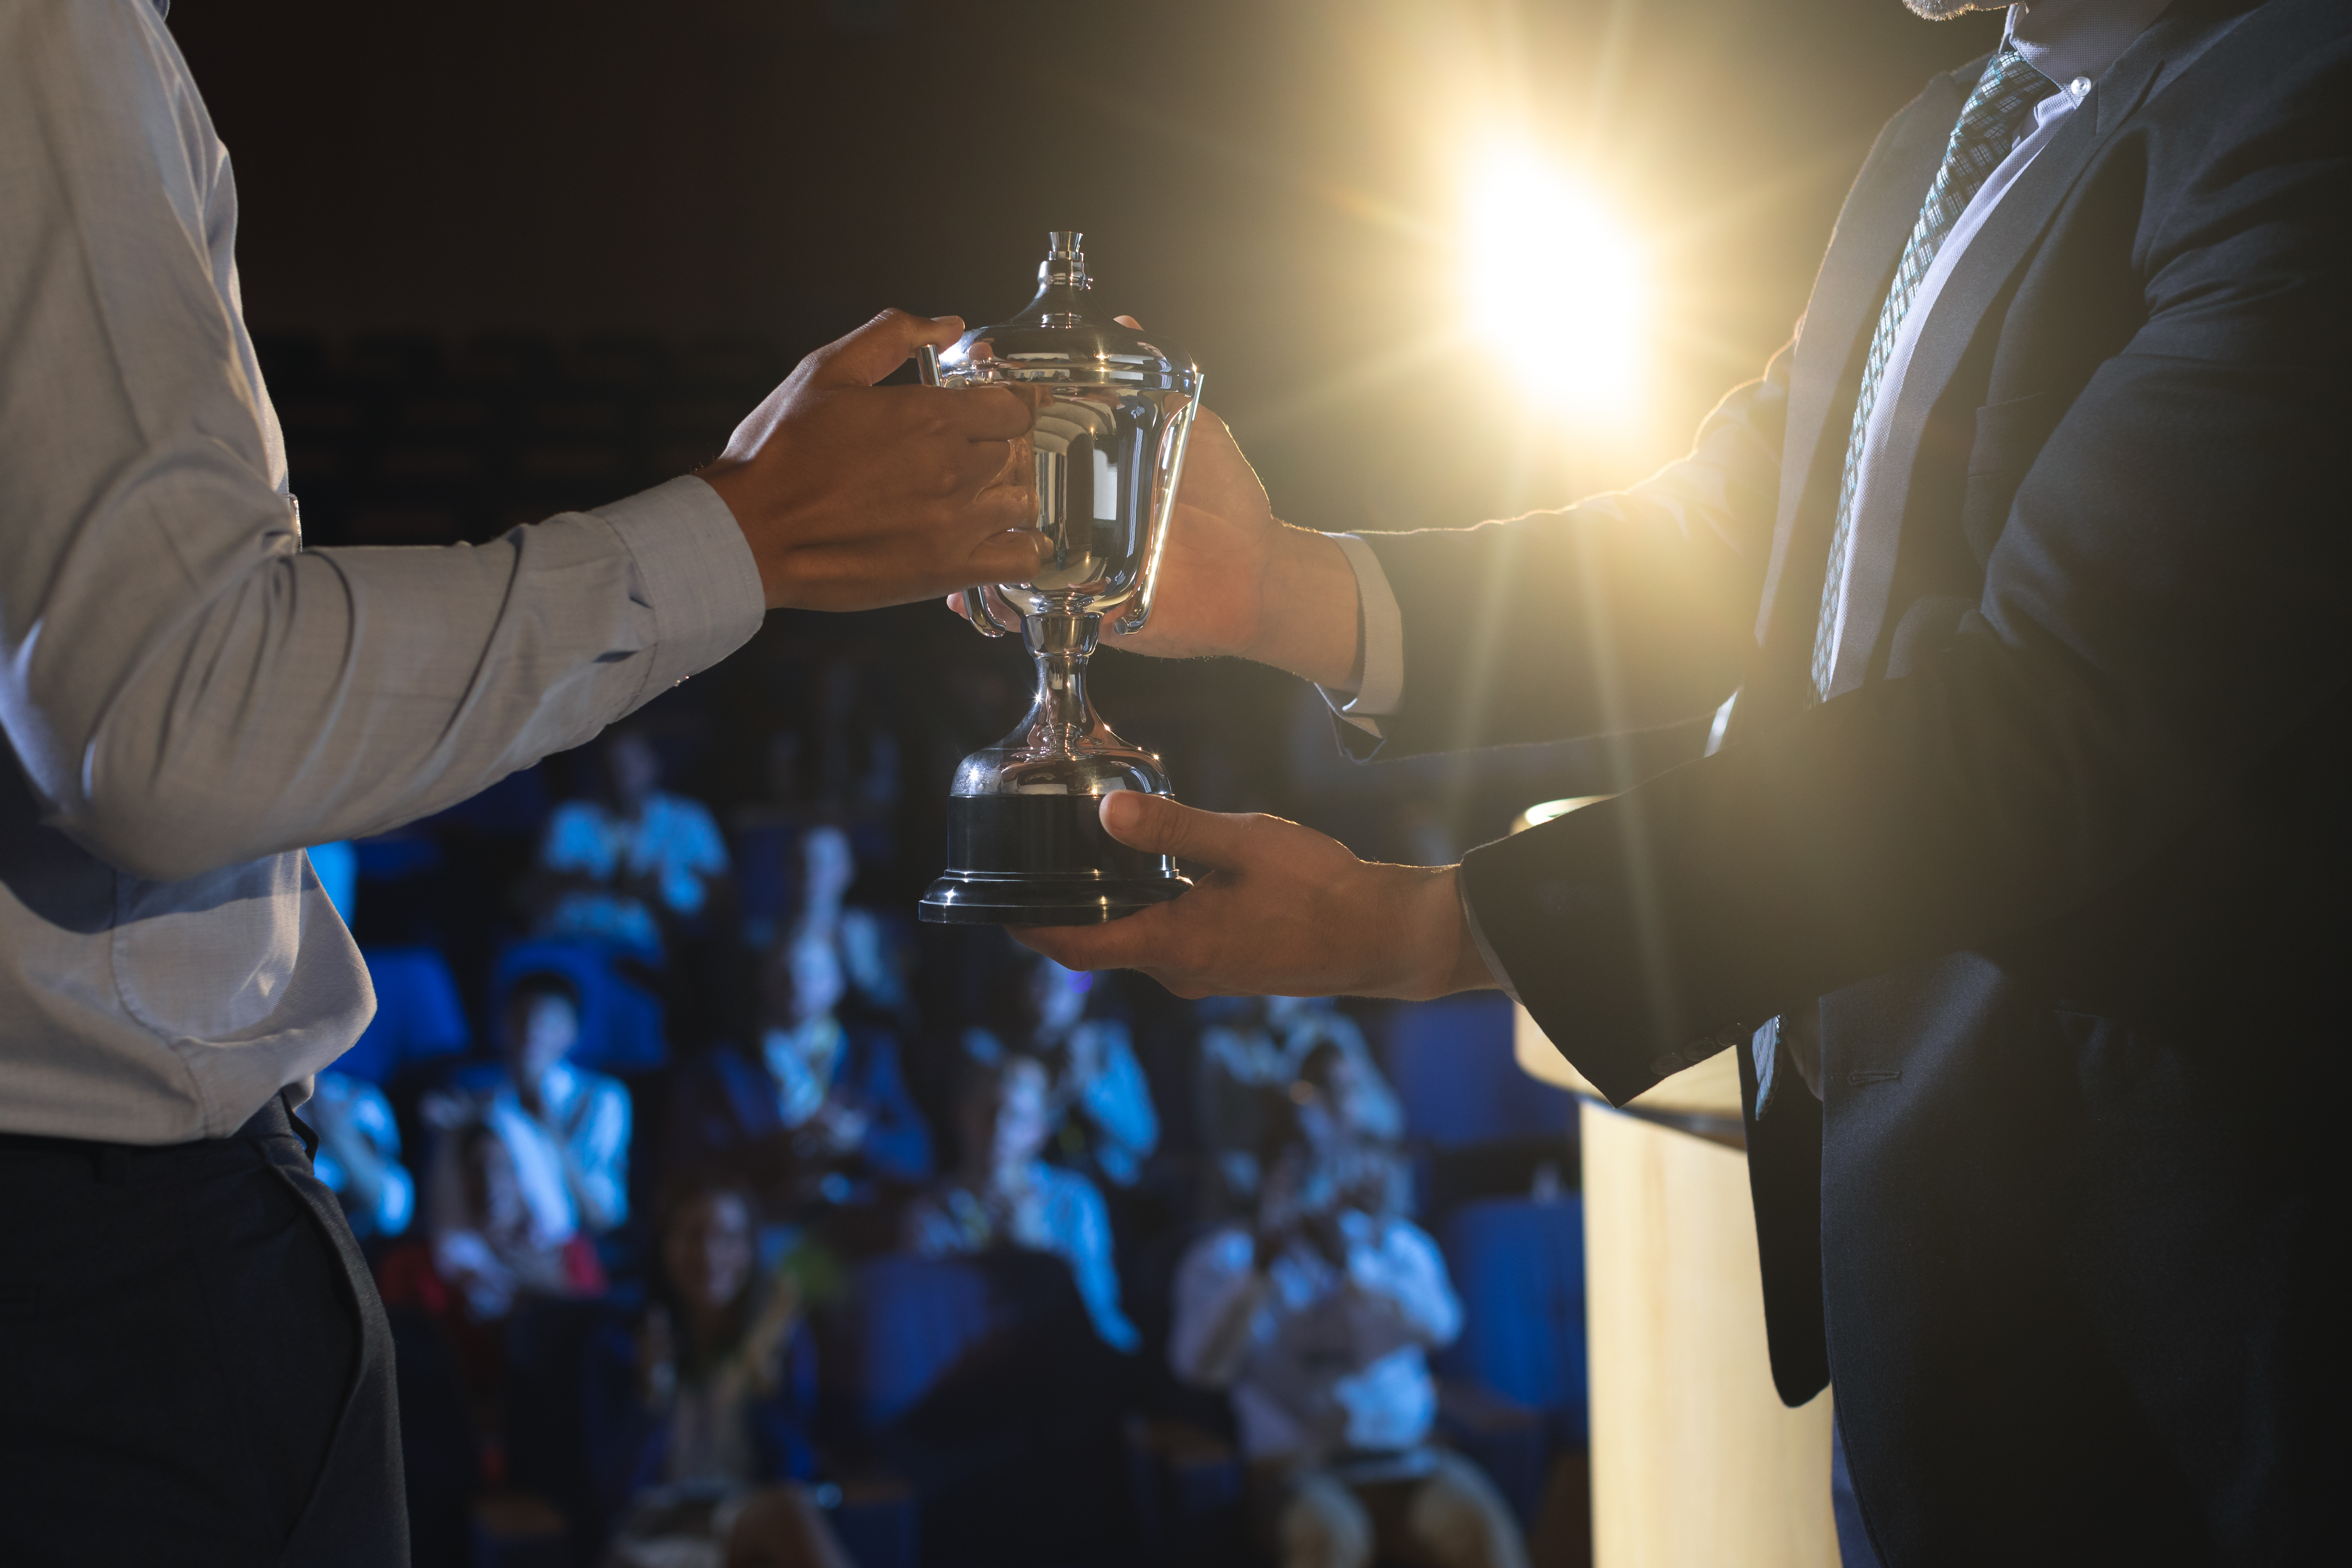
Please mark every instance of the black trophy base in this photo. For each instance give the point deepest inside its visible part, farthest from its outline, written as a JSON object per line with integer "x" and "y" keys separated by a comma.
{"x": 1042, "y": 860}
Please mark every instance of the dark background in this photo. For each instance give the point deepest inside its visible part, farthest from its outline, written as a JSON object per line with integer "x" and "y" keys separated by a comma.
{"x": 658, "y": 207}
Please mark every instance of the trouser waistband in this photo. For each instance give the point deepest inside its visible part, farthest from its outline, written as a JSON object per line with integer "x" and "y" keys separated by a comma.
{"x": 274, "y": 1120}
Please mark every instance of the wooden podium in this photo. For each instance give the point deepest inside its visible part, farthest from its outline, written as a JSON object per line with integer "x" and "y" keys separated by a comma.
{"x": 1695, "y": 1462}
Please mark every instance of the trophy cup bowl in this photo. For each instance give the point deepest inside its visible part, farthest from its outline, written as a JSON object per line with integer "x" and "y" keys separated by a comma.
{"x": 1025, "y": 843}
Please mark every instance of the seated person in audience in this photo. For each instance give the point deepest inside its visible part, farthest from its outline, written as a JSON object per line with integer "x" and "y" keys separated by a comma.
{"x": 1099, "y": 1103}
{"x": 870, "y": 953}
{"x": 1001, "y": 1191}
{"x": 829, "y": 867}
{"x": 1366, "y": 1112}
{"x": 818, "y": 1106}
{"x": 712, "y": 1399}
{"x": 632, "y": 866}
{"x": 359, "y": 1154}
{"x": 1253, "y": 1043}
{"x": 491, "y": 1242}
{"x": 530, "y": 1165}
{"x": 1368, "y": 1108}
{"x": 873, "y": 954}
{"x": 1316, "y": 1317}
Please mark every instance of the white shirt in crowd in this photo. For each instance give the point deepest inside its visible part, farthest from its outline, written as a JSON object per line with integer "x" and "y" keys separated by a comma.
{"x": 572, "y": 1164}
{"x": 671, "y": 842}
{"x": 1333, "y": 1356}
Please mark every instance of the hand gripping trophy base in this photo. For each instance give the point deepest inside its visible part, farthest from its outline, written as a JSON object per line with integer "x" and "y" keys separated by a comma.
{"x": 1025, "y": 842}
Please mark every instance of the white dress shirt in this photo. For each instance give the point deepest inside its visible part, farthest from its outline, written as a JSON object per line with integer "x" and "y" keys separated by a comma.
{"x": 189, "y": 696}
{"x": 2072, "y": 42}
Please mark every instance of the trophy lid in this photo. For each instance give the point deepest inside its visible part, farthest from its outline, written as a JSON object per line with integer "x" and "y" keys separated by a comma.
{"x": 1059, "y": 338}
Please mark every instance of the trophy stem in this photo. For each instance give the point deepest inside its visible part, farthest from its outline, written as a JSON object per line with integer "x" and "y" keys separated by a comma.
{"x": 1061, "y": 718}
{"x": 1025, "y": 840}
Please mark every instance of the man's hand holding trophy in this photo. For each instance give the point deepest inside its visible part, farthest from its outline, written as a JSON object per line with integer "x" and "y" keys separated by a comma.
{"x": 1156, "y": 535}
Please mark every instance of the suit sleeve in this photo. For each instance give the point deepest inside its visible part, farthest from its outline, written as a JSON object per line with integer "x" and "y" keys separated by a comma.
{"x": 1625, "y": 612}
{"x": 2161, "y": 615}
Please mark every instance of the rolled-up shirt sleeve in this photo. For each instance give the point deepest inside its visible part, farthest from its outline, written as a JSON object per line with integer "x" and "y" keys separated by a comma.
{"x": 185, "y": 686}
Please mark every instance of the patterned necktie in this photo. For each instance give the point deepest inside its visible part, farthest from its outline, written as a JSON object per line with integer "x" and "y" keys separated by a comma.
{"x": 1988, "y": 127}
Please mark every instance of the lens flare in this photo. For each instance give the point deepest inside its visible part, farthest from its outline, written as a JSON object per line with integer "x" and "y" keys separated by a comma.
{"x": 1554, "y": 283}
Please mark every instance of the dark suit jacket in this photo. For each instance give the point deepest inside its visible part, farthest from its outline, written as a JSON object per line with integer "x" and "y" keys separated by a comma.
{"x": 2067, "y": 870}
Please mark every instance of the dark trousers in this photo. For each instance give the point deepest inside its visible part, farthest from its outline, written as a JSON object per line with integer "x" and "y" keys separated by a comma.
{"x": 194, "y": 1368}
{"x": 1855, "y": 1548}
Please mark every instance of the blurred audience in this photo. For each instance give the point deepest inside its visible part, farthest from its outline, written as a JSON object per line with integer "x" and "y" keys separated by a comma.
{"x": 1316, "y": 1316}
{"x": 359, "y": 1154}
{"x": 870, "y": 953}
{"x": 799, "y": 1048}
{"x": 820, "y": 1107}
{"x": 1253, "y": 1043}
{"x": 533, "y": 1161}
{"x": 633, "y": 862}
{"x": 1098, "y": 1104}
{"x": 1001, "y": 1192}
{"x": 715, "y": 1401}
{"x": 876, "y": 961}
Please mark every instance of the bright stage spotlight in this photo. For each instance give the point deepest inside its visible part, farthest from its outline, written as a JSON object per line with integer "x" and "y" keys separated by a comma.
{"x": 1555, "y": 283}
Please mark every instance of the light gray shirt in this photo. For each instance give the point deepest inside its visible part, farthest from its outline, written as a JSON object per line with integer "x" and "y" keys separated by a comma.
{"x": 189, "y": 696}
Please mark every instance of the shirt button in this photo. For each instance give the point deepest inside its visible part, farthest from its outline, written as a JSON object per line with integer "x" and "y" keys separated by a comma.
{"x": 2079, "y": 86}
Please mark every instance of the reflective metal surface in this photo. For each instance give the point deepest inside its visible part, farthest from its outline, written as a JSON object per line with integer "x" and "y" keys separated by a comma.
{"x": 1113, "y": 410}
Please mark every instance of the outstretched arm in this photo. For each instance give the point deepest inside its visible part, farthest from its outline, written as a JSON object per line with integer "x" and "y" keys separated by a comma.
{"x": 1626, "y": 611}
{"x": 187, "y": 688}
{"x": 2113, "y": 724}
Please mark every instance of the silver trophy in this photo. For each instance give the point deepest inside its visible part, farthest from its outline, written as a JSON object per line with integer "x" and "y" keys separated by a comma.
{"x": 1025, "y": 845}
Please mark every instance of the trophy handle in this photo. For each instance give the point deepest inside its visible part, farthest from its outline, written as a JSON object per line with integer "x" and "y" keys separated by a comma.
{"x": 983, "y": 619}
{"x": 1163, "y": 507}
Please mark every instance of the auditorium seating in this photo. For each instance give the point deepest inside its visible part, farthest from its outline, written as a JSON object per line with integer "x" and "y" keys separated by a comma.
{"x": 620, "y": 1018}
{"x": 980, "y": 1382}
{"x": 418, "y": 1014}
{"x": 1451, "y": 1062}
{"x": 1519, "y": 1266}
{"x": 1476, "y": 1125}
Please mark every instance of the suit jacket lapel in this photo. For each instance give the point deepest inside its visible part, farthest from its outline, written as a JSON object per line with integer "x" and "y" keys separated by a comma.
{"x": 1960, "y": 313}
{"x": 1868, "y": 240}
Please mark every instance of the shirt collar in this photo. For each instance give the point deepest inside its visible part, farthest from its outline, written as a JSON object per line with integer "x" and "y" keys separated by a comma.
{"x": 2076, "y": 40}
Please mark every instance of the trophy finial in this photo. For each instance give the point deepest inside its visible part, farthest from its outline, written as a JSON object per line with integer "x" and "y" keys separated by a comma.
{"x": 1066, "y": 259}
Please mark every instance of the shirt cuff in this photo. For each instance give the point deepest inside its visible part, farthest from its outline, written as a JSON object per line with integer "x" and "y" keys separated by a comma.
{"x": 1478, "y": 939}
{"x": 1380, "y": 692}
{"x": 695, "y": 572}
